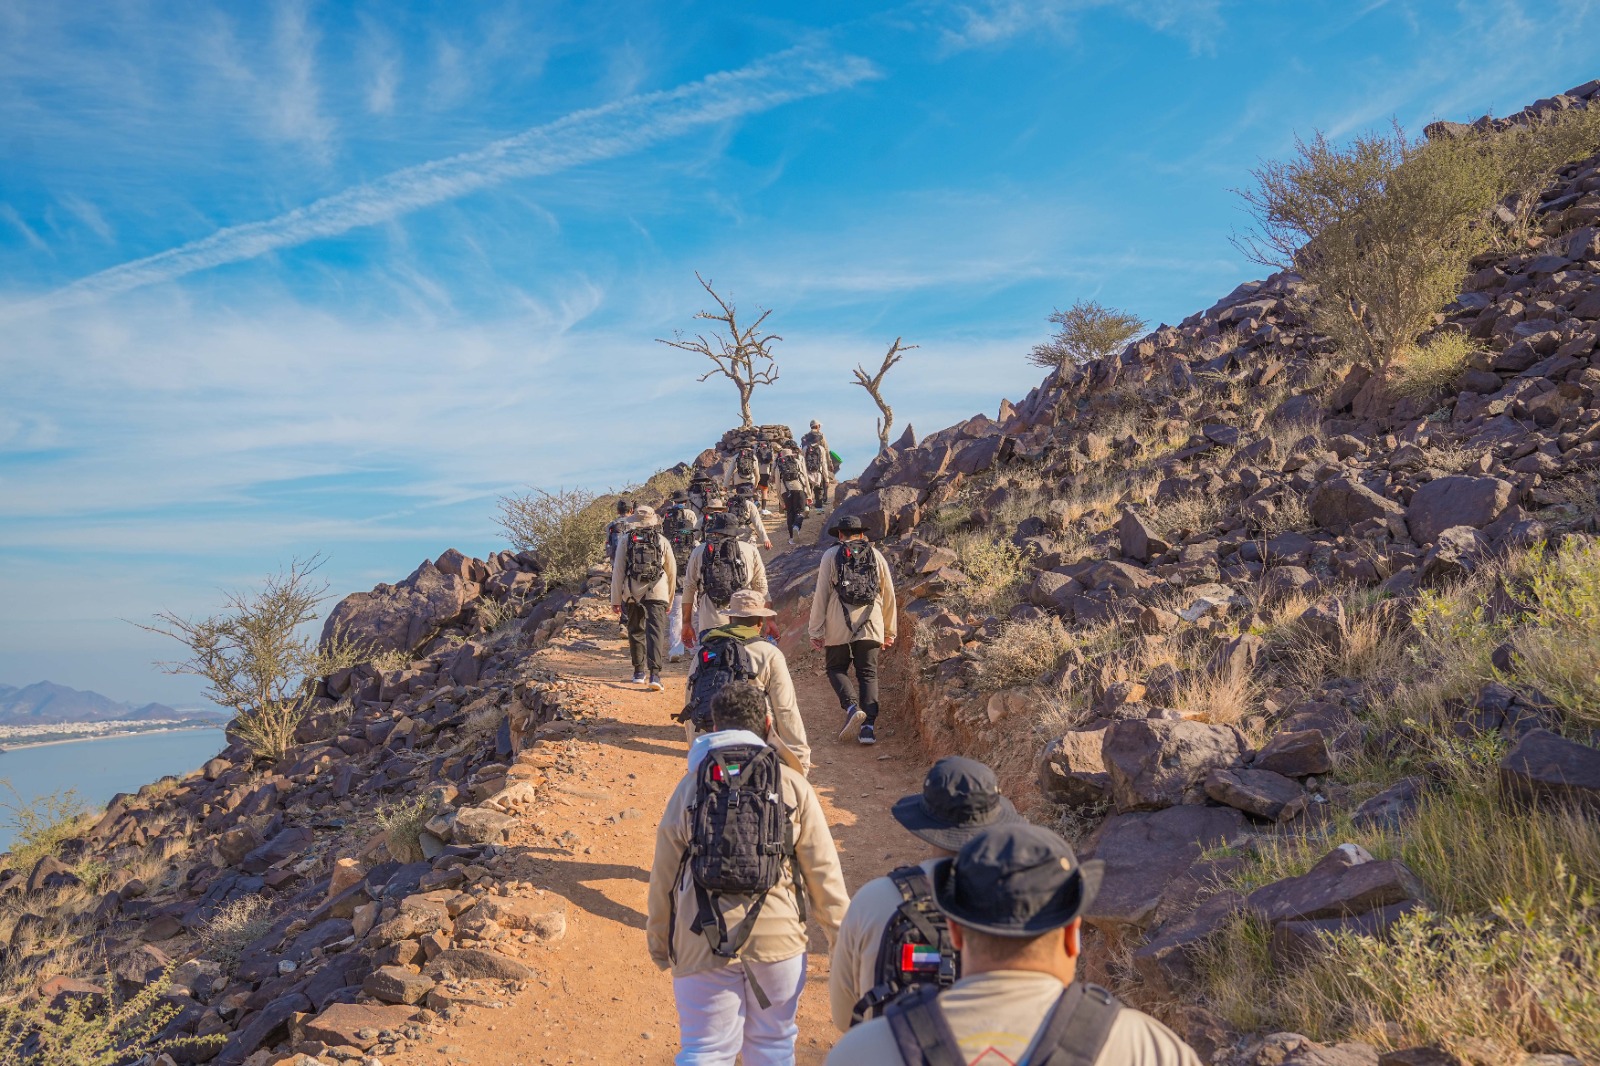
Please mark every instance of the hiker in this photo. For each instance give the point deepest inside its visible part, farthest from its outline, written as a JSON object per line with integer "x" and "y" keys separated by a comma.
{"x": 871, "y": 965}
{"x": 615, "y": 526}
{"x": 766, "y": 457}
{"x": 702, "y": 487}
{"x": 795, "y": 481}
{"x": 718, "y": 568}
{"x": 819, "y": 464}
{"x": 742, "y": 508}
{"x": 644, "y": 580}
{"x": 683, "y": 525}
{"x": 743, "y": 855}
{"x": 853, "y": 616}
{"x": 744, "y": 468}
{"x": 736, "y": 652}
{"x": 1014, "y": 897}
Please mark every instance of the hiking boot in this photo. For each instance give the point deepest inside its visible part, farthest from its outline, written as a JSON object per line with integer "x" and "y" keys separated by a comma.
{"x": 655, "y": 683}
{"x": 853, "y": 718}
{"x": 640, "y": 679}
{"x": 866, "y": 735}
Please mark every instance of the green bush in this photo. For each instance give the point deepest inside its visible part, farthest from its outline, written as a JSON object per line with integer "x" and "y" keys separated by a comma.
{"x": 39, "y": 825}
{"x": 565, "y": 528}
{"x": 96, "y": 1030}
{"x": 1088, "y": 331}
{"x": 1431, "y": 369}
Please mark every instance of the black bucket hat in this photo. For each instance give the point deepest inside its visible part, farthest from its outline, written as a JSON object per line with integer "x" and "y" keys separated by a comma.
{"x": 848, "y": 524}
{"x": 1015, "y": 880}
{"x": 960, "y": 799}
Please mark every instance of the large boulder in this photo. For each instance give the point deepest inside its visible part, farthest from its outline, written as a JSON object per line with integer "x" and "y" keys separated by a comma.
{"x": 1159, "y": 762}
{"x": 400, "y": 617}
{"x": 1258, "y": 792}
{"x": 1457, "y": 500}
{"x": 1544, "y": 766}
{"x": 1145, "y": 852}
{"x": 885, "y": 512}
{"x": 1340, "y": 503}
{"x": 1347, "y": 881}
{"x": 1071, "y": 770}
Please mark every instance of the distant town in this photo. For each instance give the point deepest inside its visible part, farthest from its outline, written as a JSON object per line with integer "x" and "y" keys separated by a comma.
{"x": 25, "y": 736}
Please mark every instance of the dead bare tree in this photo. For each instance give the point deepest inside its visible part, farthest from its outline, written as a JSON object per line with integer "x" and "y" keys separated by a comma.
{"x": 873, "y": 383}
{"x": 743, "y": 356}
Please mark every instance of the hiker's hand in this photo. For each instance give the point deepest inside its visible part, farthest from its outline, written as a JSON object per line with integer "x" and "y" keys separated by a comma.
{"x": 815, "y": 643}
{"x": 616, "y": 609}
{"x": 888, "y": 642}
{"x": 688, "y": 636}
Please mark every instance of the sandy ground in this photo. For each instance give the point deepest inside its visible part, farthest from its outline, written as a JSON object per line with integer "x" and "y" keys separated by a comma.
{"x": 599, "y": 998}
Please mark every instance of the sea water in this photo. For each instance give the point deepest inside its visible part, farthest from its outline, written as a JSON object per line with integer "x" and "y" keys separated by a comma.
{"x": 99, "y": 769}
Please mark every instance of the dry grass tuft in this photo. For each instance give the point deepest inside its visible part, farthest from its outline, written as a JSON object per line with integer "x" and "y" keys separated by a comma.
{"x": 1431, "y": 369}
{"x": 1022, "y": 652}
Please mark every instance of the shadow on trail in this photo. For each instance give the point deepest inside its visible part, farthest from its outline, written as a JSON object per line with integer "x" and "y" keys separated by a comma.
{"x": 571, "y": 879}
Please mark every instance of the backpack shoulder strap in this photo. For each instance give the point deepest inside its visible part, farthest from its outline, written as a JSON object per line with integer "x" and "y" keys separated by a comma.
{"x": 916, "y": 894}
{"x": 1077, "y": 1027}
{"x": 922, "y": 1033}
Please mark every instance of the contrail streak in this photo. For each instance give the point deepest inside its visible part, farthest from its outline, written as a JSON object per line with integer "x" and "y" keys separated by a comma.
{"x": 588, "y": 136}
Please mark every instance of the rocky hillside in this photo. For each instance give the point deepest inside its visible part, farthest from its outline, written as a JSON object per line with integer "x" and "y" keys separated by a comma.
{"x": 1291, "y": 649}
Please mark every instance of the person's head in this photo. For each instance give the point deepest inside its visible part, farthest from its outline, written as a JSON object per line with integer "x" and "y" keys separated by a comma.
{"x": 740, "y": 705}
{"x": 645, "y": 517}
{"x": 747, "y": 608}
{"x": 815, "y": 424}
{"x": 746, "y": 489}
{"x": 848, "y": 528}
{"x": 960, "y": 798}
{"x": 720, "y": 524}
{"x": 624, "y": 507}
{"x": 1015, "y": 895}
{"x": 680, "y": 495}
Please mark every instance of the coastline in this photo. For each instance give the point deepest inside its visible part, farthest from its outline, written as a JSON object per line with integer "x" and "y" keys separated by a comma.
{"x": 7, "y": 748}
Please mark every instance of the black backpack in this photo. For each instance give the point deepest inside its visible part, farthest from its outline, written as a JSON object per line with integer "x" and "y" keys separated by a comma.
{"x": 856, "y": 574}
{"x": 816, "y": 458}
{"x": 740, "y": 838}
{"x": 683, "y": 533}
{"x": 645, "y": 562}
{"x": 721, "y": 660}
{"x": 1073, "y": 1033}
{"x": 789, "y": 467}
{"x": 700, "y": 490}
{"x": 722, "y": 571}
{"x": 744, "y": 464}
{"x": 915, "y": 950}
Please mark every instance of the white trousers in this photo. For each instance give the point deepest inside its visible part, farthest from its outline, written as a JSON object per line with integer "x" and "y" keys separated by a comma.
{"x": 675, "y": 628}
{"x": 719, "y": 1017}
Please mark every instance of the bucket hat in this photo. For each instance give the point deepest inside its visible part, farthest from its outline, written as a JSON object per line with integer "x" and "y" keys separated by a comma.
{"x": 960, "y": 798}
{"x": 1016, "y": 880}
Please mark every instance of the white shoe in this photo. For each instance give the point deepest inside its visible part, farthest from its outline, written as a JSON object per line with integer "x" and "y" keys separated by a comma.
{"x": 766, "y": 512}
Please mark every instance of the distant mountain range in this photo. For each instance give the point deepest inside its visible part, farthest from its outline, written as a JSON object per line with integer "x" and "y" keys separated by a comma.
{"x": 47, "y": 703}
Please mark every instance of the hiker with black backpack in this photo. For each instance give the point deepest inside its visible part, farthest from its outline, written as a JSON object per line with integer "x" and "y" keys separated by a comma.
{"x": 644, "y": 579}
{"x": 767, "y": 457}
{"x": 718, "y": 568}
{"x": 743, "y": 856}
{"x": 737, "y": 652}
{"x": 744, "y": 467}
{"x": 795, "y": 480}
{"x": 819, "y": 464}
{"x": 742, "y": 507}
{"x": 895, "y": 941}
{"x": 683, "y": 525}
{"x": 1014, "y": 898}
{"x": 615, "y": 526}
{"x": 853, "y": 616}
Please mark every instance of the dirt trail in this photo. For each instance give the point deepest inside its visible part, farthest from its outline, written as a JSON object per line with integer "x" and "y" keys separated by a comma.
{"x": 598, "y": 997}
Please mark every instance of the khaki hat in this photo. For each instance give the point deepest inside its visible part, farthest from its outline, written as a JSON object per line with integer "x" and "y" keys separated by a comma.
{"x": 748, "y": 603}
{"x": 645, "y": 516}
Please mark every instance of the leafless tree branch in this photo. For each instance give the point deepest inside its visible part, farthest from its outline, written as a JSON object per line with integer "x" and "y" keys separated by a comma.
{"x": 873, "y": 383}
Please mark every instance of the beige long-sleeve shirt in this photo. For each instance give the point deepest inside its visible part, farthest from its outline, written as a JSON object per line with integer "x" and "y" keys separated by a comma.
{"x": 834, "y": 624}
{"x": 995, "y": 1017}
{"x": 705, "y": 614}
{"x": 625, "y": 591}
{"x": 778, "y": 933}
{"x": 732, "y": 479}
{"x": 788, "y": 732}
{"x": 747, "y": 512}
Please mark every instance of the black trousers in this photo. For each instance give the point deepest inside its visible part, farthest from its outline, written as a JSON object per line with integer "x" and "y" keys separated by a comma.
{"x": 647, "y": 634}
{"x": 862, "y": 689}
{"x": 794, "y": 509}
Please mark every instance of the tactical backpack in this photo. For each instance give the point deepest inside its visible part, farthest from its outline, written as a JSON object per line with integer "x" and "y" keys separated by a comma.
{"x": 740, "y": 838}
{"x": 1073, "y": 1033}
{"x": 789, "y": 468}
{"x": 645, "y": 561}
{"x": 744, "y": 464}
{"x": 816, "y": 458}
{"x": 701, "y": 488}
{"x": 720, "y": 661}
{"x": 722, "y": 571}
{"x": 683, "y": 533}
{"x": 914, "y": 952}
{"x": 856, "y": 574}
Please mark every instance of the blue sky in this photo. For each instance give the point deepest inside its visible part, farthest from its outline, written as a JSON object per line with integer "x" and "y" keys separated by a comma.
{"x": 297, "y": 277}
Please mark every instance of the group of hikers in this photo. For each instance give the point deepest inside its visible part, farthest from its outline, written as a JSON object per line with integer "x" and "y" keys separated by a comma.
{"x": 966, "y": 957}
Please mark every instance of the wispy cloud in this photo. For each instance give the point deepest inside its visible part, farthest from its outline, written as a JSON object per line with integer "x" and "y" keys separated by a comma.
{"x": 993, "y": 22}
{"x": 89, "y": 215}
{"x": 296, "y": 107}
{"x": 35, "y": 241}
{"x": 587, "y": 136}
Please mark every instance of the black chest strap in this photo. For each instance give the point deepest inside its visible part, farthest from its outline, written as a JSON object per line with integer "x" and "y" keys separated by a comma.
{"x": 1073, "y": 1033}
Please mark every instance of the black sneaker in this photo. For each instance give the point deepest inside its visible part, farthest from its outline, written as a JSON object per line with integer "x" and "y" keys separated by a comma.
{"x": 866, "y": 735}
{"x": 853, "y": 718}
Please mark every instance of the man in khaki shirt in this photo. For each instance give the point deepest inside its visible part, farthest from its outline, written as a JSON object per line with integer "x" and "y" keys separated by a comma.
{"x": 1014, "y": 895}
{"x": 644, "y": 606}
{"x": 700, "y": 613}
{"x": 960, "y": 798}
{"x": 851, "y": 636}
{"x": 745, "y": 1004}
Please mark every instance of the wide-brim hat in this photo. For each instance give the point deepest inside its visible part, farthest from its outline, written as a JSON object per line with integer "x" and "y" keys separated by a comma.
{"x": 645, "y": 517}
{"x": 1015, "y": 880}
{"x": 960, "y": 798}
{"x": 748, "y": 603}
{"x": 848, "y": 524}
